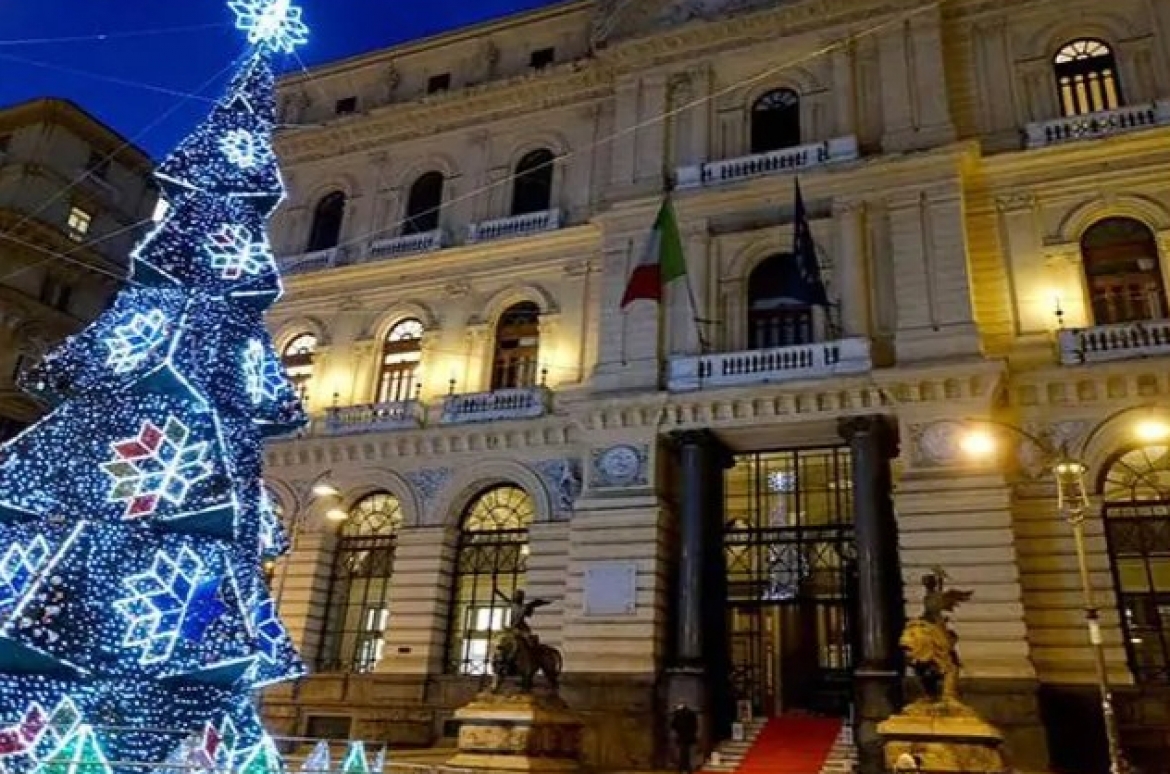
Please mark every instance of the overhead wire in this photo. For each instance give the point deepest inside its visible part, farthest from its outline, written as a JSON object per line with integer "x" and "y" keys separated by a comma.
{"x": 104, "y": 78}
{"x": 104, "y": 36}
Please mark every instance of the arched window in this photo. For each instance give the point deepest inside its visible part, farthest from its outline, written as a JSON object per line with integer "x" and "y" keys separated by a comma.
{"x": 424, "y": 204}
{"x": 491, "y": 563}
{"x": 776, "y": 121}
{"x": 401, "y": 355}
{"x": 327, "y": 220}
{"x": 358, "y": 610}
{"x": 298, "y": 362}
{"x": 517, "y": 348}
{"x": 775, "y": 317}
{"x": 532, "y": 187}
{"x": 1086, "y": 75}
{"x": 1122, "y": 272}
{"x": 1136, "y": 491}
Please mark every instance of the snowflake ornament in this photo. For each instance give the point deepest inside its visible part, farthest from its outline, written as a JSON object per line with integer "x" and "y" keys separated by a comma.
{"x": 263, "y": 376}
{"x": 243, "y": 148}
{"x": 268, "y": 629}
{"x": 132, "y": 343}
{"x": 19, "y": 568}
{"x": 177, "y": 597}
{"x": 276, "y": 24}
{"x": 234, "y": 254}
{"x": 157, "y": 464}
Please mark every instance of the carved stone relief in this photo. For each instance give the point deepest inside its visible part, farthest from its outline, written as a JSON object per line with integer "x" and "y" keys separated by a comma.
{"x": 563, "y": 479}
{"x": 429, "y": 483}
{"x": 624, "y": 465}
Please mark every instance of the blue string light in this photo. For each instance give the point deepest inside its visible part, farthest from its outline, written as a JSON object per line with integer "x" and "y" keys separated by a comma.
{"x": 135, "y": 621}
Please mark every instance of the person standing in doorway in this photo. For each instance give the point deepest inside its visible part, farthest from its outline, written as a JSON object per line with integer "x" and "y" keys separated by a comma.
{"x": 685, "y": 725}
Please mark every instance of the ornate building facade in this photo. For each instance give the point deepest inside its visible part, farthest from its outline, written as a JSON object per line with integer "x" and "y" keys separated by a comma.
{"x": 731, "y": 496}
{"x": 73, "y": 196}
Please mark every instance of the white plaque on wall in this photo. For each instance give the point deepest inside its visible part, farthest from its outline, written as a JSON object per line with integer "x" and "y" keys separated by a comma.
{"x": 611, "y": 588}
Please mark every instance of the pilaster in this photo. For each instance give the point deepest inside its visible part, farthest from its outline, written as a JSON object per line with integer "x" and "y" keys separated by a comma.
{"x": 420, "y": 598}
{"x": 853, "y": 261}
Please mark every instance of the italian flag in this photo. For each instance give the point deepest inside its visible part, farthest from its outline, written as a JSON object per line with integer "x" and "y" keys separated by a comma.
{"x": 662, "y": 262}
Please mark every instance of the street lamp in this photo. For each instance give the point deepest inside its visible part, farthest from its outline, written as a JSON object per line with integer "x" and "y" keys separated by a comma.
{"x": 1072, "y": 504}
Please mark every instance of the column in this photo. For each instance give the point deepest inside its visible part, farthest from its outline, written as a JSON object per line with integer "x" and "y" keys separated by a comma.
{"x": 852, "y": 268}
{"x": 877, "y": 678}
{"x": 700, "y": 672}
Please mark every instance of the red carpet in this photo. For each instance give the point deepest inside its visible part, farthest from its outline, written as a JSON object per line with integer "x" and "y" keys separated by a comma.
{"x": 791, "y": 745}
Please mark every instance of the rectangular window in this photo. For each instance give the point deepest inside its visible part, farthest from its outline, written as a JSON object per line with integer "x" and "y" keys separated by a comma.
{"x": 345, "y": 107}
{"x": 98, "y": 164}
{"x": 79, "y": 223}
{"x": 439, "y": 83}
{"x": 5, "y": 141}
{"x": 542, "y": 58}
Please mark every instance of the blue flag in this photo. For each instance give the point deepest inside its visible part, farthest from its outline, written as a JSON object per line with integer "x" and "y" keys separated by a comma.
{"x": 811, "y": 288}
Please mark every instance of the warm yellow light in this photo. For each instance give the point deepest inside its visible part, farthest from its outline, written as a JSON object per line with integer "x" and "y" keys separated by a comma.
{"x": 336, "y": 515}
{"x": 1152, "y": 431}
{"x": 325, "y": 489}
{"x": 979, "y": 444}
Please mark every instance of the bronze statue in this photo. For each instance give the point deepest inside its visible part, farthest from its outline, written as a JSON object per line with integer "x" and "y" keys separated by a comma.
{"x": 931, "y": 645}
{"x": 517, "y": 652}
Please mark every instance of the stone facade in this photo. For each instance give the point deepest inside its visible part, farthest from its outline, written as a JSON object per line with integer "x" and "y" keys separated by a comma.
{"x": 949, "y": 199}
{"x": 68, "y": 186}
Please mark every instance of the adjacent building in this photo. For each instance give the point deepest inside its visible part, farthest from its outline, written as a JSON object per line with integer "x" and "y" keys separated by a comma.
{"x": 74, "y": 198}
{"x": 731, "y": 496}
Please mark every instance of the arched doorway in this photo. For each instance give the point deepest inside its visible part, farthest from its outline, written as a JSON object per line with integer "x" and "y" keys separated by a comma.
{"x": 515, "y": 361}
{"x": 776, "y": 317}
{"x": 401, "y": 357}
{"x": 424, "y": 204}
{"x": 1123, "y": 272}
{"x": 775, "y": 121}
{"x": 1086, "y": 77}
{"x": 327, "y": 220}
{"x": 532, "y": 185}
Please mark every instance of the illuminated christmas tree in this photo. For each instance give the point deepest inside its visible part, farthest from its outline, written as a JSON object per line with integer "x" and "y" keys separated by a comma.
{"x": 135, "y": 622}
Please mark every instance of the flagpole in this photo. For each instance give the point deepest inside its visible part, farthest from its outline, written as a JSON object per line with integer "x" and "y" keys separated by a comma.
{"x": 668, "y": 190}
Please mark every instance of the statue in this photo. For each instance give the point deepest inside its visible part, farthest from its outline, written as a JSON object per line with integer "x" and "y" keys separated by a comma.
{"x": 931, "y": 645}
{"x": 518, "y": 652}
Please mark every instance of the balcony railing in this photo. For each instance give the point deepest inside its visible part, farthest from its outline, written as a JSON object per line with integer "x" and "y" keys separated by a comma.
{"x": 314, "y": 261}
{"x": 1103, "y": 124}
{"x": 523, "y": 403}
{"x": 515, "y": 226}
{"x": 407, "y": 244}
{"x": 783, "y": 161}
{"x": 372, "y": 418}
{"x": 765, "y": 366}
{"x": 1126, "y": 341}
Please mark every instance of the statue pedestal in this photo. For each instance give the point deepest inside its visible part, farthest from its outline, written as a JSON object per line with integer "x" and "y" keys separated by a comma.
{"x": 519, "y": 732}
{"x": 942, "y": 737}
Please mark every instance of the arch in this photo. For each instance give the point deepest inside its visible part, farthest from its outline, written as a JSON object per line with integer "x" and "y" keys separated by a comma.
{"x": 424, "y": 203}
{"x": 357, "y": 483}
{"x": 289, "y": 330}
{"x": 778, "y": 315}
{"x": 1123, "y": 272}
{"x": 388, "y": 319}
{"x": 328, "y": 218}
{"x": 1087, "y": 77}
{"x": 1080, "y": 218}
{"x": 509, "y": 297}
{"x": 775, "y": 120}
{"x": 456, "y": 497}
{"x": 532, "y": 182}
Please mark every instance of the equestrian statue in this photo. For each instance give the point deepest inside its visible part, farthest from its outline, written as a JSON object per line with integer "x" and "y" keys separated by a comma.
{"x": 518, "y": 653}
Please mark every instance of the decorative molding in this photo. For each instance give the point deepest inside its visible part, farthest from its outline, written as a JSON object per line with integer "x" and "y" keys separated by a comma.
{"x": 563, "y": 479}
{"x": 460, "y": 289}
{"x": 623, "y": 465}
{"x": 1016, "y": 201}
{"x": 429, "y": 483}
{"x": 936, "y": 444}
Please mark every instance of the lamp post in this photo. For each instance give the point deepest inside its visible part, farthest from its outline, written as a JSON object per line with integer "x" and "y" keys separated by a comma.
{"x": 1072, "y": 505}
{"x": 304, "y": 494}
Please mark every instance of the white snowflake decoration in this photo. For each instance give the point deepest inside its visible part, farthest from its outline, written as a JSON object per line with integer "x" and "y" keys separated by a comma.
{"x": 268, "y": 629}
{"x": 263, "y": 376}
{"x": 243, "y": 148}
{"x": 234, "y": 254}
{"x": 160, "y": 603}
{"x": 273, "y": 23}
{"x": 157, "y": 464}
{"x": 132, "y": 343}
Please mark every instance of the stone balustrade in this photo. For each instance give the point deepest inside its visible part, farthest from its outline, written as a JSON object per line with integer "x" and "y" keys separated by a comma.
{"x": 784, "y": 161}
{"x": 515, "y": 226}
{"x": 314, "y": 261}
{"x": 407, "y": 244}
{"x": 1103, "y": 124}
{"x": 764, "y": 366}
{"x": 372, "y": 418}
{"x": 1125, "y": 341}
{"x": 523, "y": 403}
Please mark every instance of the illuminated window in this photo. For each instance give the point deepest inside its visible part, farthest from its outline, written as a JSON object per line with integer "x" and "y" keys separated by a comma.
{"x": 775, "y": 122}
{"x": 327, "y": 220}
{"x": 775, "y": 317}
{"x": 401, "y": 356}
{"x": 79, "y": 223}
{"x": 1136, "y": 491}
{"x": 1086, "y": 75}
{"x": 532, "y": 186}
{"x": 491, "y": 563}
{"x": 1122, "y": 271}
{"x": 516, "y": 360}
{"x": 297, "y": 359}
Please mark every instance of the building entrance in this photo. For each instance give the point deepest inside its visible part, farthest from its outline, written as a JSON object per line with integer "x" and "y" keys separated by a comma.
{"x": 791, "y": 564}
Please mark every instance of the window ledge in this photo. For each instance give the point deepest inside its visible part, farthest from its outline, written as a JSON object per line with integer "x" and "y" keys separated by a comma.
{"x": 515, "y": 226}
{"x": 1043, "y": 134}
{"x": 1107, "y": 343}
{"x": 764, "y": 366}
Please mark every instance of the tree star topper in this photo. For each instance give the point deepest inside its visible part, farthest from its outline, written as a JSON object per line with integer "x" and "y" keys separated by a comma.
{"x": 273, "y": 23}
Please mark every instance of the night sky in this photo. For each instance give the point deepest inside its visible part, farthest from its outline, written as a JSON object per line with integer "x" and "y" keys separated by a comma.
{"x": 106, "y": 77}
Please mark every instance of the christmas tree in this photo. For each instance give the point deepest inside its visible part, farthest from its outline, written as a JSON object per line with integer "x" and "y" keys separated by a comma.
{"x": 135, "y": 622}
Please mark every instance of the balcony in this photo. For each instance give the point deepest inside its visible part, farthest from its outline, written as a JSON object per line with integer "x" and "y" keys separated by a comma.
{"x": 1094, "y": 125}
{"x": 407, "y": 244}
{"x": 523, "y": 403}
{"x": 1106, "y": 343}
{"x": 373, "y": 418}
{"x": 314, "y": 261}
{"x": 770, "y": 366}
{"x": 515, "y": 226}
{"x": 785, "y": 161}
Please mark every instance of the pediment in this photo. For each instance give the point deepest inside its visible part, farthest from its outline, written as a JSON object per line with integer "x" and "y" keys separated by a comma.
{"x": 617, "y": 19}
